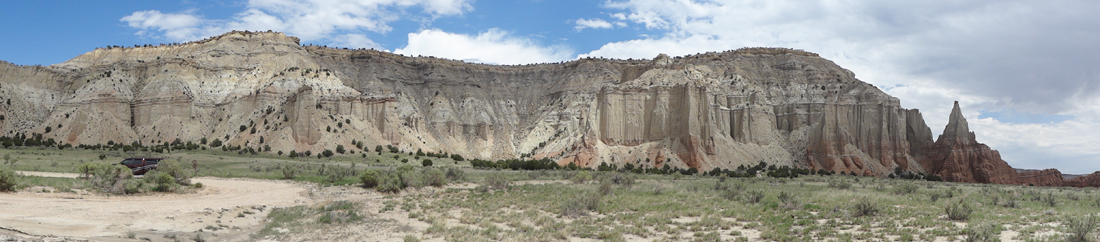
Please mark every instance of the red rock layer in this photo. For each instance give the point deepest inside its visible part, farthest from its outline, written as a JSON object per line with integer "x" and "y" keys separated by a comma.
{"x": 957, "y": 156}
{"x": 1090, "y": 180}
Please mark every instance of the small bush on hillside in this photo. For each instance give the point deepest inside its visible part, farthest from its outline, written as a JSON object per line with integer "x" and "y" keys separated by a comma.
{"x": 8, "y": 179}
{"x": 1078, "y": 228}
{"x": 426, "y": 162}
{"x": 864, "y": 208}
{"x": 959, "y": 211}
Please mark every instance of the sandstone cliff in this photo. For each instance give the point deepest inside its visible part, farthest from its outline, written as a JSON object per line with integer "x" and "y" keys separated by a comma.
{"x": 712, "y": 110}
{"x": 957, "y": 156}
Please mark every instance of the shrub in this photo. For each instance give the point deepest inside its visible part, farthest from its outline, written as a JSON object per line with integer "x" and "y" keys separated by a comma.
{"x": 163, "y": 180}
{"x": 389, "y": 182}
{"x": 8, "y": 179}
{"x": 1050, "y": 200}
{"x": 110, "y": 178}
{"x": 455, "y": 174}
{"x": 907, "y": 188}
{"x": 754, "y": 196}
{"x": 176, "y": 170}
{"x": 289, "y": 171}
{"x": 864, "y": 208}
{"x": 581, "y": 206}
{"x": 434, "y": 177}
{"x": 981, "y": 232}
{"x": 842, "y": 185}
{"x": 622, "y": 179}
{"x": 497, "y": 181}
{"x": 1080, "y": 227}
{"x": 369, "y": 178}
{"x": 326, "y": 153}
{"x": 605, "y": 187}
{"x": 409, "y": 177}
{"x": 959, "y": 211}
{"x": 426, "y": 162}
{"x": 582, "y": 177}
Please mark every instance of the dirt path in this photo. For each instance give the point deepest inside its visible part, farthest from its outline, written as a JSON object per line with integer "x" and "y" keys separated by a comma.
{"x": 227, "y": 208}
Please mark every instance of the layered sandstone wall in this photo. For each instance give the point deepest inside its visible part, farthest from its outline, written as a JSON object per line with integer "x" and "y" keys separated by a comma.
{"x": 706, "y": 111}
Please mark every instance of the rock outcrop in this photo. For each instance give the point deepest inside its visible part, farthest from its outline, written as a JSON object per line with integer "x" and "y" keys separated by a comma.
{"x": 957, "y": 156}
{"x": 713, "y": 110}
{"x": 1090, "y": 180}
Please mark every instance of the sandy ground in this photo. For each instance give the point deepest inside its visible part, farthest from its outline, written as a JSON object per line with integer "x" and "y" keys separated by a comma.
{"x": 224, "y": 209}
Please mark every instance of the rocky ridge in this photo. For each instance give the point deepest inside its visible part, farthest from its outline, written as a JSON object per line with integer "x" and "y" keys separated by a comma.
{"x": 705, "y": 111}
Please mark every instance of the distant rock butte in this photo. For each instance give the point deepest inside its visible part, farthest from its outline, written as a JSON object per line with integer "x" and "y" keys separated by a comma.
{"x": 711, "y": 110}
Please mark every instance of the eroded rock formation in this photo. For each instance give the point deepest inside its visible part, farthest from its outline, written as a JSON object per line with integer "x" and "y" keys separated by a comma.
{"x": 712, "y": 110}
{"x": 957, "y": 156}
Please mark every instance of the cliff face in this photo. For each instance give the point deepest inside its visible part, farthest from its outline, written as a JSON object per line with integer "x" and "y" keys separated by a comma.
{"x": 1090, "y": 180}
{"x": 713, "y": 110}
{"x": 957, "y": 156}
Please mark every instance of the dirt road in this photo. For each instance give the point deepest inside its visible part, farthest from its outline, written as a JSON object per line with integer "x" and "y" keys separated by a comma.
{"x": 227, "y": 208}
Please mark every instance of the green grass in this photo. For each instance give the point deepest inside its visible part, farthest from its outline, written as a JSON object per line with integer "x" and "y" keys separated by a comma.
{"x": 219, "y": 163}
{"x": 653, "y": 207}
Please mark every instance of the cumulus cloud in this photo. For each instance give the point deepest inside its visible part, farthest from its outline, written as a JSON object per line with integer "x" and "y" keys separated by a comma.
{"x": 594, "y": 23}
{"x": 494, "y": 46}
{"x": 1027, "y": 56}
{"x": 306, "y": 19}
{"x": 174, "y": 25}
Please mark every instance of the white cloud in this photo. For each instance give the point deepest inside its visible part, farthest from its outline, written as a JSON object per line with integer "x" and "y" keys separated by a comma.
{"x": 494, "y": 46}
{"x": 594, "y": 23}
{"x": 1030, "y": 56}
{"x": 307, "y": 19}
{"x": 173, "y": 25}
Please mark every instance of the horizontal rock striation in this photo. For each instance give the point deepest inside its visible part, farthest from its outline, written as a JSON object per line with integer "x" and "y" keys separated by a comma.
{"x": 706, "y": 111}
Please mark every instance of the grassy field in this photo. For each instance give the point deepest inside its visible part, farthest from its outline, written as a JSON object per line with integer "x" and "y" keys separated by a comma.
{"x": 496, "y": 205}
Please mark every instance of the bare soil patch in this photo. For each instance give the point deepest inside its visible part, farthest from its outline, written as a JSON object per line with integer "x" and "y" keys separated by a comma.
{"x": 224, "y": 209}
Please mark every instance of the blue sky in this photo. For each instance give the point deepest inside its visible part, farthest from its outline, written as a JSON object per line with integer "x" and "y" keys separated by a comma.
{"x": 1024, "y": 71}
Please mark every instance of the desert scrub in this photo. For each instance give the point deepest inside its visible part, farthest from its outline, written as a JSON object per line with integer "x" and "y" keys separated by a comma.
{"x": 495, "y": 181}
{"x": 841, "y": 184}
{"x": 864, "y": 208}
{"x": 433, "y": 177}
{"x": 754, "y": 196}
{"x": 981, "y": 232}
{"x": 582, "y": 205}
{"x": 8, "y": 179}
{"x": 389, "y": 182}
{"x": 455, "y": 174}
{"x": 109, "y": 178}
{"x": 582, "y": 177}
{"x": 1078, "y": 227}
{"x": 959, "y": 211}
{"x": 905, "y": 188}
{"x": 369, "y": 178}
